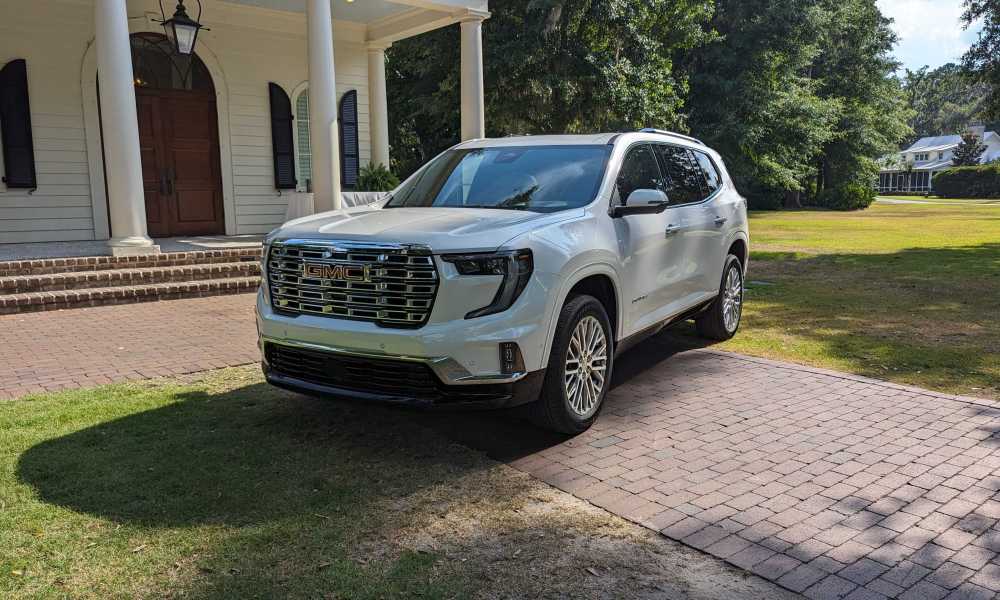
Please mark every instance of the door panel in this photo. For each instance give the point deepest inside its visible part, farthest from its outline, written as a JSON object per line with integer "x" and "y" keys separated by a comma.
{"x": 151, "y": 154}
{"x": 180, "y": 163}
{"x": 650, "y": 273}
{"x": 194, "y": 158}
{"x": 710, "y": 221}
{"x": 686, "y": 190}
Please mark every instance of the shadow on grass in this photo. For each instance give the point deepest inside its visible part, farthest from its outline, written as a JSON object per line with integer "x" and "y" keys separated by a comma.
{"x": 278, "y": 489}
{"x": 258, "y": 454}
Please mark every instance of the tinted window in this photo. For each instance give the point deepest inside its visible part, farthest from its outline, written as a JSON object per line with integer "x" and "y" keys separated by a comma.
{"x": 639, "y": 172}
{"x": 685, "y": 181}
{"x": 535, "y": 178}
{"x": 712, "y": 180}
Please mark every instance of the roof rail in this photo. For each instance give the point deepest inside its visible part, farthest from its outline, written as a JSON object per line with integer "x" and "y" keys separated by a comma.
{"x": 673, "y": 133}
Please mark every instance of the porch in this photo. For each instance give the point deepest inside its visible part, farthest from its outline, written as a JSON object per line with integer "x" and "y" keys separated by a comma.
{"x": 275, "y": 111}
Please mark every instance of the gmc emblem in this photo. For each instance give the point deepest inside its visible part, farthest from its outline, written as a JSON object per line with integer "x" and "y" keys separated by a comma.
{"x": 346, "y": 273}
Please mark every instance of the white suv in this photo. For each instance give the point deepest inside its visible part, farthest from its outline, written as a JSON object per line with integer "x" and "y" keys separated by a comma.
{"x": 507, "y": 271}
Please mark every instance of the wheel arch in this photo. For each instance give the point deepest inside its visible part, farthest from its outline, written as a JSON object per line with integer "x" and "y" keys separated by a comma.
{"x": 739, "y": 245}
{"x": 598, "y": 280}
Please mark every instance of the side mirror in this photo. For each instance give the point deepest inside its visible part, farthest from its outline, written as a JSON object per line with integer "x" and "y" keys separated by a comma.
{"x": 642, "y": 202}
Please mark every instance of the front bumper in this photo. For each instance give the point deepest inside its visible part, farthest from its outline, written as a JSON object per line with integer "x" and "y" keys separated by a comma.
{"x": 460, "y": 351}
{"x": 384, "y": 379}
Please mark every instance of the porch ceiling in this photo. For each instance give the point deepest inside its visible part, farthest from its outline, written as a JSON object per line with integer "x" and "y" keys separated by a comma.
{"x": 359, "y": 11}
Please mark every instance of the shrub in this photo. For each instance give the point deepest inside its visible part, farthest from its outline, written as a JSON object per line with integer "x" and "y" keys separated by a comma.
{"x": 980, "y": 181}
{"x": 376, "y": 178}
{"x": 850, "y": 196}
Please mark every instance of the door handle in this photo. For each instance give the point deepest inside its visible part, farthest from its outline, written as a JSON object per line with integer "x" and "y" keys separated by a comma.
{"x": 672, "y": 229}
{"x": 170, "y": 181}
{"x": 720, "y": 221}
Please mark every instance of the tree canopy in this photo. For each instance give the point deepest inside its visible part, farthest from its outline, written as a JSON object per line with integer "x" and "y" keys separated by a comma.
{"x": 944, "y": 100}
{"x": 982, "y": 61}
{"x": 797, "y": 95}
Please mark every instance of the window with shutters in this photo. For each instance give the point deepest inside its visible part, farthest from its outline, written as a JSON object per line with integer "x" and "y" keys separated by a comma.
{"x": 303, "y": 144}
{"x": 282, "y": 140}
{"x": 350, "y": 158}
{"x": 18, "y": 152}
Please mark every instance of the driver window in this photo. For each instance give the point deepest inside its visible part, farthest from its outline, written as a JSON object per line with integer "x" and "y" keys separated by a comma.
{"x": 639, "y": 172}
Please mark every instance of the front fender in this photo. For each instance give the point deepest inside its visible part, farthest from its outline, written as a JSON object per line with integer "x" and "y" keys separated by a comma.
{"x": 585, "y": 269}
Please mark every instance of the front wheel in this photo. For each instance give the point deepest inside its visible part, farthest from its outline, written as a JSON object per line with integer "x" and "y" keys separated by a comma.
{"x": 722, "y": 318}
{"x": 579, "y": 370}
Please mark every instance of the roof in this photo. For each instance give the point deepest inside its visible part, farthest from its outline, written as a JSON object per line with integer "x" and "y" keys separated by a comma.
{"x": 576, "y": 139}
{"x": 541, "y": 140}
{"x": 941, "y": 142}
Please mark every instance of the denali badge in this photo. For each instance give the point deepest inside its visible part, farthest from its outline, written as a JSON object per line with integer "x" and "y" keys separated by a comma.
{"x": 348, "y": 273}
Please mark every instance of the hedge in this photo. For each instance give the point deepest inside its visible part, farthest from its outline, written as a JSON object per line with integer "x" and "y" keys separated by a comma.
{"x": 851, "y": 196}
{"x": 980, "y": 181}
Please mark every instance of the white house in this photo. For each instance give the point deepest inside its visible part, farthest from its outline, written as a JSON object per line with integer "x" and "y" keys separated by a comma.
{"x": 913, "y": 169}
{"x": 110, "y": 133}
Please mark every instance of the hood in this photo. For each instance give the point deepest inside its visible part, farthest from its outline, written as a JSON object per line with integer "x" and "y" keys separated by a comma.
{"x": 442, "y": 229}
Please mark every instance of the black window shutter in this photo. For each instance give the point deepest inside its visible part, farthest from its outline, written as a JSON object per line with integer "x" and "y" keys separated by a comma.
{"x": 15, "y": 124}
{"x": 282, "y": 142}
{"x": 350, "y": 159}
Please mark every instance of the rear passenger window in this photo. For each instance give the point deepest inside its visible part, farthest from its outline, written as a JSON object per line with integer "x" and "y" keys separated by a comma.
{"x": 685, "y": 182}
{"x": 712, "y": 179}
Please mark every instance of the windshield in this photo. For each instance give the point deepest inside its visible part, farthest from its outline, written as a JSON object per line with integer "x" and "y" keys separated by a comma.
{"x": 535, "y": 178}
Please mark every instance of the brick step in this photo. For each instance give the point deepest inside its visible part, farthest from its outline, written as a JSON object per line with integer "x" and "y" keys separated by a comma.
{"x": 47, "y": 266}
{"x": 77, "y": 280}
{"x": 151, "y": 292}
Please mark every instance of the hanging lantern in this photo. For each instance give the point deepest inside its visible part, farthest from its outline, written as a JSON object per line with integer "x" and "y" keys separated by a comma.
{"x": 181, "y": 29}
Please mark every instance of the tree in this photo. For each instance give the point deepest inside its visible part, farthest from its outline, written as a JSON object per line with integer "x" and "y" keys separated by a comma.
{"x": 982, "y": 61}
{"x": 552, "y": 66}
{"x": 856, "y": 69}
{"x": 753, "y": 99}
{"x": 943, "y": 100}
{"x": 969, "y": 151}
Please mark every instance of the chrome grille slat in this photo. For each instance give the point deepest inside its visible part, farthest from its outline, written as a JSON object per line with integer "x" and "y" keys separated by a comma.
{"x": 399, "y": 290}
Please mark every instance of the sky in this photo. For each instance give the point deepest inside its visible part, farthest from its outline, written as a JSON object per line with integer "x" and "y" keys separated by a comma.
{"x": 930, "y": 31}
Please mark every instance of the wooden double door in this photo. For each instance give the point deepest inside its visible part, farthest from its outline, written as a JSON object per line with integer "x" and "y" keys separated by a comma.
{"x": 179, "y": 140}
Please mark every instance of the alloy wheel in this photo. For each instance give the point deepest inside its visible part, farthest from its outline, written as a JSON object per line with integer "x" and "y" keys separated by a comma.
{"x": 732, "y": 299}
{"x": 586, "y": 366}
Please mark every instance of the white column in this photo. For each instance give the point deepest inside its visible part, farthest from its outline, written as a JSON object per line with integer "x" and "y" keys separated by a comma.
{"x": 378, "y": 106}
{"x": 122, "y": 160}
{"x": 473, "y": 110}
{"x": 323, "y": 107}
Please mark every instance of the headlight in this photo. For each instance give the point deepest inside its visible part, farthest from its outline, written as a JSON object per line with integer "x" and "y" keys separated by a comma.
{"x": 515, "y": 266}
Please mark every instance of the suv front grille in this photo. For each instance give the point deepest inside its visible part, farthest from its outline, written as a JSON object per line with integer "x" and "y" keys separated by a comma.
{"x": 388, "y": 284}
{"x": 370, "y": 375}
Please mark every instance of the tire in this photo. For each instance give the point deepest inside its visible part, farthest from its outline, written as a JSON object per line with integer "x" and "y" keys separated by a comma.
{"x": 716, "y": 323}
{"x": 572, "y": 406}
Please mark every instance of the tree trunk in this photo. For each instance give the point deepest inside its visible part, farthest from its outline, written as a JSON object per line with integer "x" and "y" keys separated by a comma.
{"x": 792, "y": 199}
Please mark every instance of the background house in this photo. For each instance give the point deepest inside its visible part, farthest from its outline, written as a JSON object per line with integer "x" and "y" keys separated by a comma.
{"x": 110, "y": 133}
{"x": 913, "y": 169}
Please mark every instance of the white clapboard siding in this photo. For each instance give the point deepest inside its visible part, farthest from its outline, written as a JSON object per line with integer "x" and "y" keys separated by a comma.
{"x": 248, "y": 52}
{"x": 48, "y": 36}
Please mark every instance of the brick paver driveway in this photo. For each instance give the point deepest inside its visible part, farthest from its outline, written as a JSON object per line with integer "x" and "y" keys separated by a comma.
{"x": 48, "y": 351}
{"x": 831, "y": 485}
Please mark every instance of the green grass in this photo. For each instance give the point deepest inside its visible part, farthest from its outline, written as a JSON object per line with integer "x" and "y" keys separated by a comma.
{"x": 226, "y": 489}
{"x": 907, "y": 293}
{"x": 938, "y": 199}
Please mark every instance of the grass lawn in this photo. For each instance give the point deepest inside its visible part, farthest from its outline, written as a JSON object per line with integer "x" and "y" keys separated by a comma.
{"x": 906, "y": 292}
{"x": 937, "y": 199}
{"x": 223, "y": 487}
